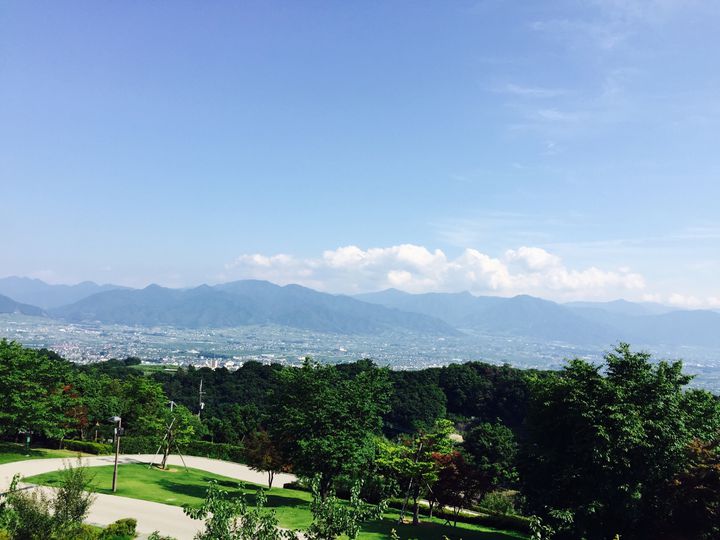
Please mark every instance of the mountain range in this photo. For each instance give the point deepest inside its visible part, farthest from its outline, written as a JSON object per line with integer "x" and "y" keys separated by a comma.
{"x": 38, "y": 293}
{"x": 8, "y": 305}
{"x": 575, "y": 322}
{"x": 254, "y": 302}
{"x": 244, "y": 303}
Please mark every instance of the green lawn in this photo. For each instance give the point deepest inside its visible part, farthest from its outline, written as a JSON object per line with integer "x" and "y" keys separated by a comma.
{"x": 177, "y": 487}
{"x": 149, "y": 369}
{"x": 10, "y": 452}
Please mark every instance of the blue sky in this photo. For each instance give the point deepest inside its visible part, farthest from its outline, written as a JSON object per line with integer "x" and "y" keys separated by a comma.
{"x": 567, "y": 149}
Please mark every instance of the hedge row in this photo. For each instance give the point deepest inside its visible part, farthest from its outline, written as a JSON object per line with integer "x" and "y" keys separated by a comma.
{"x": 88, "y": 447}
{"x": 138, "y": 444}
{"x": 226, "y": 452}
{"x": 149, "y": 445}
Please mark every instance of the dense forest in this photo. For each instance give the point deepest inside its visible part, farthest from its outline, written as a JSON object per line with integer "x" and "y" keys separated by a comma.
{"x": 591, "y": 451}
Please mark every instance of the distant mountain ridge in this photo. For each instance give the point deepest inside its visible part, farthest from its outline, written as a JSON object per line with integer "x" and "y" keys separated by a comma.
{"x": 577, "y": 322}
{"x": 47, "y": 296}
{"x": 523, "y": 315}
{"x": 255, "y": 302}
{"x": 8, "y": 305}
{"x": 623, "y": 307}
{"x": 244, "y": 303}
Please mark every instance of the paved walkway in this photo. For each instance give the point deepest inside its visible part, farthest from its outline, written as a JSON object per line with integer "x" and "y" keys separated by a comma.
{"x": 151, "y": 516}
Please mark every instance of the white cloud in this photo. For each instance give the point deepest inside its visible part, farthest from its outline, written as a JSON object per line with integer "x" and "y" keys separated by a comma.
{"x": 533, "y": 258}
{"x": 530, "y": 91}
{"x": 553, "y": 115}
{"x": 691, "y": 302}
{"x": 413, "y": 268}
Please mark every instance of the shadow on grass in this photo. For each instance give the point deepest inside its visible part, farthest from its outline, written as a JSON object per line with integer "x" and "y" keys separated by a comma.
{"x": 234, "y": 489}
{"x": 228, "y": 484}
{"x": 276, "y": 501}
{"x": 17, "y": 448}
{"x": 429, "y": 530}
{"x": 196, "y": 491}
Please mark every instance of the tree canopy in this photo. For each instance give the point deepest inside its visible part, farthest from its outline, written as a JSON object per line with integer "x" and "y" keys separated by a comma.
{"x": 326, "y": 423}
{"x": 605, "y": 441}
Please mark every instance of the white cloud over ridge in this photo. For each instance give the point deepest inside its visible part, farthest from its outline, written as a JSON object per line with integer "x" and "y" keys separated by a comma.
{"x": 417, "y": 269}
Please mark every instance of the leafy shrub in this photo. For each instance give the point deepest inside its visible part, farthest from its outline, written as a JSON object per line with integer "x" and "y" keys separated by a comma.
{"x": 122, "y": 528}
{"x": 231, "y": 518}
{"x": 498, "y": 502}
{"x": 157, "y": 536}
{"x": 84, "y": 532}
{"x": 333, "y": 517}
{"x": 88, "y": 447}
{"x": 32, "y": 515}
{"x": 73, "y": 499}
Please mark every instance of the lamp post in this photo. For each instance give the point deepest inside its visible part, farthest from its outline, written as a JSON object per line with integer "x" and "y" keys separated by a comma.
{"x": 118, "y": 432}
{"x": 28, "y": 433}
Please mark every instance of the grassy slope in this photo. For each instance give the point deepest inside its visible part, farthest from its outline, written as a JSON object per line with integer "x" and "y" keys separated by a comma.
{"x": 10, "y": 452}
{"x": 178, "y": 487}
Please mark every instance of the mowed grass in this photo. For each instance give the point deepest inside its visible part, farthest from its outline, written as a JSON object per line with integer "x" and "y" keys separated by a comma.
{"x": 10, "y": 452}
{"x": 177, "y": 487}
{"x": 149, "y": 369}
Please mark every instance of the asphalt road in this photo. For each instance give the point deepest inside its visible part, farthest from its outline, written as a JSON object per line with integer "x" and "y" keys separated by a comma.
{"x": 151, "y": 516}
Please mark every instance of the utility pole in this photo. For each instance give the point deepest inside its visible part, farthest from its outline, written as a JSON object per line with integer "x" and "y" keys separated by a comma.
{"x": 118, "y": 433}
{"x": 201, "y": 403}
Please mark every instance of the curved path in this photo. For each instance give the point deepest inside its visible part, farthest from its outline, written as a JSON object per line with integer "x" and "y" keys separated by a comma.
{"x": 151, "y": 516}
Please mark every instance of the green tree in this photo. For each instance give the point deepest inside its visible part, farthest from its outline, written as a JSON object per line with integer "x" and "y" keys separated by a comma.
{"x": 100, "y": 397}
{"x": 459, "y": 483}
{"x": 181, "y": 427}
{"x": 262, "y": 454}
{"x": 604, "y": 446}
{"x": 694, "y": 494}
{"x": 37, "y": 392}
{"x": 493, "y": 450}
{"x": 143, "y": 406}
{"x": 417, "y": 401}
{"x": 325, "y": 422}
{"x": 414, "y": 462}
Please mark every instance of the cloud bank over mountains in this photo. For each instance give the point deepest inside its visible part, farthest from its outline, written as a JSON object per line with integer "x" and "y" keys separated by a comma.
{"x": 414, "y": 268}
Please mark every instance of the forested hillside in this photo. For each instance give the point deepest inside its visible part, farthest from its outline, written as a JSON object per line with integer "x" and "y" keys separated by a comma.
{"x": 590, "y": 451}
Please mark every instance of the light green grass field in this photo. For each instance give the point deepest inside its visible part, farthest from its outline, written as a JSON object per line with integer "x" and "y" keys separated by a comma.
{"x": 177, "y": 487}
{"x": 149, "y": 369}
{"x": 10, "y": 452}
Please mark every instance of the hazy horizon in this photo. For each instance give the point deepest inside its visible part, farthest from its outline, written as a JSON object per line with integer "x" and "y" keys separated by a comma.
{"x": 370, "y": 291}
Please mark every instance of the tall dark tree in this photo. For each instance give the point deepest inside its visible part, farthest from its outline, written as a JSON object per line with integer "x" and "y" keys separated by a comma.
{"x": 262, "y": 454}
{"x": 37, "y": 392}
{"x": 417, "y": 401}
{"x": 605, "y": 445}
{"x": 326, "y": 423}
{"x": 493, "y": 451}
{"x": 694, "y": 496}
